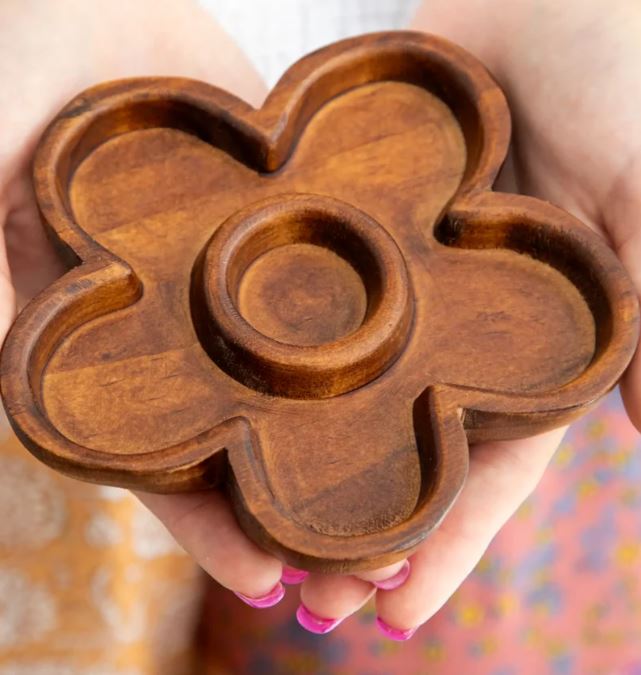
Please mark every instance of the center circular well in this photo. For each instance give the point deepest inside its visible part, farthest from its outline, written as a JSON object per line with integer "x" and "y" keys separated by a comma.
{"x": 302, "y": 294}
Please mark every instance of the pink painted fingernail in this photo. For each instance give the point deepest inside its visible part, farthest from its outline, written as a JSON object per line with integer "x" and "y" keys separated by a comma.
{"x": 292, "y": 575}
{"x": 397, "y": 580}
{"x": 315, "y": 624}
{"x": 268, "y": 600}
{"x": 394, "y": 633}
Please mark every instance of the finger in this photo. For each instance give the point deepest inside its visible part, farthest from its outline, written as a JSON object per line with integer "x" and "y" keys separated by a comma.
{"x": 34, "y": 263}
{"x": 328, "y": 599}
{"x": 292, "y": 576}
{"x": 629, "y": 251}
{"x": 7, "y": 293}
{"x": 631, "y": 390}
{"x": 502, "y": 475}
{"x": 389, "y": 577}
{"x": 622, "y": 223}
{"x": 204, "y": 525}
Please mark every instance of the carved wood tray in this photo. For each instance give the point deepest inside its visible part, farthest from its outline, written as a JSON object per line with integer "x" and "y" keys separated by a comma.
{"x": 316, "y": 305}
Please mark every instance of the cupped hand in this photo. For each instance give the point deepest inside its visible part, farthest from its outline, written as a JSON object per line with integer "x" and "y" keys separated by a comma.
{"x": 571, "y": 74}
{"x": 52, "y": 52}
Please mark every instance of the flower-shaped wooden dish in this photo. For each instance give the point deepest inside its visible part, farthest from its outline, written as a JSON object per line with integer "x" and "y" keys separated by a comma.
{"x": 317, "y": 304}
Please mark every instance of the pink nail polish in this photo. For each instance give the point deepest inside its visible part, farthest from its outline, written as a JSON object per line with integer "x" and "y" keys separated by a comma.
{"x": 397, "y": 580}
{"x": 292, "y": 575}
{"x": 397, "y": 634}
{"x": 315, "y": 624}
{"x": 268, "y": 600}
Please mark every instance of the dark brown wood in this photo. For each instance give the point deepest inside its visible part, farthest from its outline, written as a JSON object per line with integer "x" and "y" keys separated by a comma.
{"x": 317, "y": 304}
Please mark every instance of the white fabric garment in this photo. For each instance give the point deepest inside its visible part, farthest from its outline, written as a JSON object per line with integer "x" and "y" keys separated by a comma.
{"x": 275, "y": 33}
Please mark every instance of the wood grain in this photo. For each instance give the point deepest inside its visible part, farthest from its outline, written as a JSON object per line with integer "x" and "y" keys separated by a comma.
{"x": 315, "y": 305}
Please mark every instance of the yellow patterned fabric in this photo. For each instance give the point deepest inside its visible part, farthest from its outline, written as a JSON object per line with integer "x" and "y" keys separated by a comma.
{"x": 90, "y": 582}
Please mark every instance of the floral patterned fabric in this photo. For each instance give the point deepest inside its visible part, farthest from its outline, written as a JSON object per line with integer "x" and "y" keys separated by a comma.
{"x": 90, "y": 582}
{"x": 558, "y": 592}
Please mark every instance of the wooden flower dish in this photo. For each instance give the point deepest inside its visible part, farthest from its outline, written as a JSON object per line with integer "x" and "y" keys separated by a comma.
{"x": 317, "y": 305}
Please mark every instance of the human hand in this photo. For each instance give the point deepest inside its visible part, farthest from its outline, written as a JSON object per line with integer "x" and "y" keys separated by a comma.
{"x": 544, "y": 165}
{"x": 570, "y": 72}
{"x": 52, "y": 52}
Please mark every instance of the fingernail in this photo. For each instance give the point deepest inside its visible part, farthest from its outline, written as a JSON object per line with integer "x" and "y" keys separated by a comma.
{"x": 315, "y": 624}
{"x": 292, "y": 575}
{"x": 397, "y": 580}
{"x": 268, "y": 600}
{"x": 394, "y": 633}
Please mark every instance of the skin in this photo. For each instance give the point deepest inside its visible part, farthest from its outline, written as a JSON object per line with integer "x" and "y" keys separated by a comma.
{"x": 570, "y": 71}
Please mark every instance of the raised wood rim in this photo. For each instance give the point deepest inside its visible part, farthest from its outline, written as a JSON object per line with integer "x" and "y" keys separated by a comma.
{"x": 264, "y": 138}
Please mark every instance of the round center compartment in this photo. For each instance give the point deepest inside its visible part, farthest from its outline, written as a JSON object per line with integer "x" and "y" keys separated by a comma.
{"x": 302, "y": 294}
